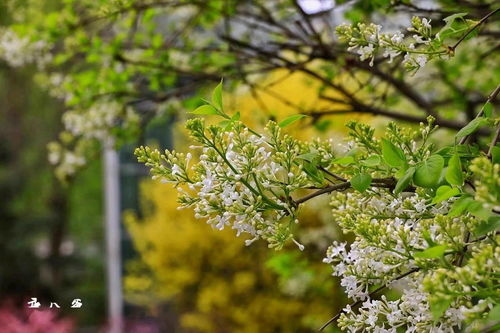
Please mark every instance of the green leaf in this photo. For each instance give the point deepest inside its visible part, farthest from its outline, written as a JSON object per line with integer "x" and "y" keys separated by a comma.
{"x": 236, "y": 116}
{"x": 322, "y": 125}
{"x": 361, "y": 181}
{"x": 226, "y": 124}
{"x": 312, "y": 171}
{"x": 404, "y": 181}
{"x": 495, "y": 155}
{"x": 492, "y": 224}
{"x": 392, "y": 155}
{"x": 453, "y": 27}
{"x": 450, "y": 19}
{"x": 477, "y": 209}
{"x": 309, "y": 156}
{"x": 431, "y": 252}
{"x": 157, "y": 41}
{"x": 427, "y": 236}
{"x": 205, "y": 110}
{"x": 429, "y": 172}
{"x": 217, "y": 96}
{"x": 439, "y": 306}
{"x": 353, "y": 152}
{"x": 291, "y": 119}
{"x": 494, "y": 313}
{"x": 454, "y": 174}
{"x": 471, "y": 127}
{"x": 372, "y": 161}
{"x": 346, "y": 160}
{"x": 445, "y": 192}
{"x": 459, "y": 206}
{"x": 401, "y": 172}
{"x": 488, "y": 109}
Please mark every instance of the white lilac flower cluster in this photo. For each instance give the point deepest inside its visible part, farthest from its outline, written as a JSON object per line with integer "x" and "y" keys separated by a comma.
{"x": 487, "y": 182}
{"x": 18, "y": 51}
{"x": 68, "y": 161}
{"x": 242, "y": 180}
{"x": 83, "y": 129}
{"x": 96, "y": 121}
{"x": 410, "y": 312}
{"x": 394, "y": 229}
{"x": 422, "y": 239}
{"x": 391, "y": 232}
{"x": 478, "y": 277}
{"x": 367, "y": 41}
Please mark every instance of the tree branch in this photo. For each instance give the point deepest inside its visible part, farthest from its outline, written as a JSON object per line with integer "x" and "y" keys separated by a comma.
{"x": 490, "y": 99}
{"x": 452, "y": 48}
{"x": 376, "y": 182}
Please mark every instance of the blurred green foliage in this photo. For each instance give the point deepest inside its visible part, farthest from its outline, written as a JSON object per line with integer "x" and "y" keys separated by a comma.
{"x": 50, "y": 234}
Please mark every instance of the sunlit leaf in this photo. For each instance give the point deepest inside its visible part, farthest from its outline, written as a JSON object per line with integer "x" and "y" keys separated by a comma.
{"x": 404, "y": 181}
{"x": 431, "y": 252}
{"x": 371, "y": 161}
{"x": 217, "y": 97}
{"x": 471, "y": 127}
{"x": 205, "y": 110}
{"x": 291, "y": 120}
{"x": 393, "y": 155}
{"x": 429, "y": 171}
{"x": 445, "y": 192}
{"x": 361, "y": 181}
{"x": 454, "y": 174}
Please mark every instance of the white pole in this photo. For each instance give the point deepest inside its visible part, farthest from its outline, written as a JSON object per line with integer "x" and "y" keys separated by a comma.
{"x": 113, "y": 232}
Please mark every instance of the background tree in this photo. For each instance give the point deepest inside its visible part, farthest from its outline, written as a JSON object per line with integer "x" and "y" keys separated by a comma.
{"x": 48, "y": 232}
{"x": 118, "y": 64}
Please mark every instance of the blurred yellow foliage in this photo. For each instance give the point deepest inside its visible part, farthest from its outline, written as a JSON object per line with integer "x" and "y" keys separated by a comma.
{"x": 286, "y": 94}
{"x": 215, "y": 282}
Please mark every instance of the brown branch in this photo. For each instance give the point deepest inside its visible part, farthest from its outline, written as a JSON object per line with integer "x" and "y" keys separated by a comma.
{"x": 461, "y": 257}
{"x": 328, "y": 189}
{"x": 358, "y": 106}
{"x": 481, "y": 238}
{"x": 135, "y": 7}
{"x": 332, "y": 174}
{"x": 400, "y": 85}
{"x": 445, "y": 123}
{"x": 376, "y": 182}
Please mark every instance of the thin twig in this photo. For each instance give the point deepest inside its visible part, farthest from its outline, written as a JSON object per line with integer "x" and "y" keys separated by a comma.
{"x": 452, "y": 48}
{"x": 481, "y": 238}
{"x": 328, "y": 189}
{"x": 461, "y": 257}
{"x": 490, "y": 99}
{"x": 377, "y": 182}
{"x": 332, "y": 174}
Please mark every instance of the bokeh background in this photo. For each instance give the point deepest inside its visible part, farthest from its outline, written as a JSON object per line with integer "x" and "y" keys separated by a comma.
{"x": 176, "y": 273}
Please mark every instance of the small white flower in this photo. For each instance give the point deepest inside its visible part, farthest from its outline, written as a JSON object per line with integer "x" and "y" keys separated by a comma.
{"x": 426, "y": 23}
{"x": 397, "y": 38}
{"x": 421, "y": 60}
{"x": 176, "y": 170}
{"x": 366, "y": 52}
